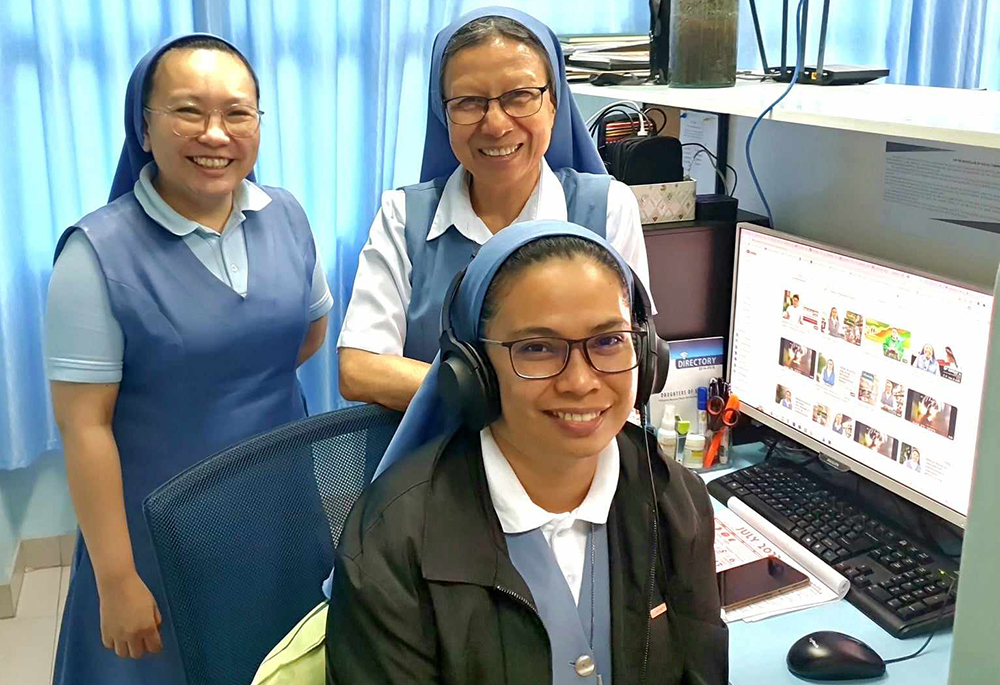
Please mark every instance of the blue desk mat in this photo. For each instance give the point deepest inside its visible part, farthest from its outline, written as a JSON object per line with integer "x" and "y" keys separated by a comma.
{"x": 757, "y": 651}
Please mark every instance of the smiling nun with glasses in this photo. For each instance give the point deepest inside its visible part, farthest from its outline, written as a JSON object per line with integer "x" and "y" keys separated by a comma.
{"x": 177, "y": 316}
{"x": 511, "y": 535}
{"x": 504, "y": 143}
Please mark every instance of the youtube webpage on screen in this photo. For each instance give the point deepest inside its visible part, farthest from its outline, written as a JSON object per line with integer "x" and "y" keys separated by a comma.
{"x": 882, "y": 365}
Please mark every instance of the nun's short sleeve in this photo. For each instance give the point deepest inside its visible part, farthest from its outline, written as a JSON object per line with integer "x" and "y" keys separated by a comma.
{"x": 376, "y": 315}
{"x": 84, "y": 342}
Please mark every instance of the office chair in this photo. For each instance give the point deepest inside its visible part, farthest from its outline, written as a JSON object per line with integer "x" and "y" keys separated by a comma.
{"x": 244, "y": 538}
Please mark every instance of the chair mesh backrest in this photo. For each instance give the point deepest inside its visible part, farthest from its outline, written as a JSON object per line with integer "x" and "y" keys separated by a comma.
{"x": 244, "y": 539}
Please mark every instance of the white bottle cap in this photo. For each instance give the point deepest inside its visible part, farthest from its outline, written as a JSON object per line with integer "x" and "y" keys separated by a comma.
{"x": 695, "y": 442}
{"x": 667, "y": 422}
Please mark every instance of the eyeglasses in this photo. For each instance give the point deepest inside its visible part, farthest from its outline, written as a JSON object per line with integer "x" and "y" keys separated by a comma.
{"x": 188, "y": 121}
{"x": 519, "y": 103}
{"x": 546, "y": 357}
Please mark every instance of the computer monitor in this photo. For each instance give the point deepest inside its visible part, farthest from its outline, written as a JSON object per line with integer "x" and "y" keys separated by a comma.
{"x": 876, "y": 367}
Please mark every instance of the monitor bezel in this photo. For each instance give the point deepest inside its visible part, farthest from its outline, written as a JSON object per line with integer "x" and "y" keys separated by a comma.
{"x": 837, "y": 457}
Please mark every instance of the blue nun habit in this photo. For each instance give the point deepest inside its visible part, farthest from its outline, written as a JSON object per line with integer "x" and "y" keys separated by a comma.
{"x": 571, "y": 155}
{"x": 428, "y": 418}
{"x": 203, "y": 369}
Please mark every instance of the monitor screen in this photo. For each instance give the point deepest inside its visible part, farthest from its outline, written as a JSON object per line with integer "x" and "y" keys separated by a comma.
{"x": 878, "y": 367}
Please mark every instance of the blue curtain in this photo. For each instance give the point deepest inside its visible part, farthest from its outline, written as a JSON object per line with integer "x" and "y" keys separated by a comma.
{"x": 945, "y": 43}
{"x": 344, "y": 88}
{"x": 63, "y": 70}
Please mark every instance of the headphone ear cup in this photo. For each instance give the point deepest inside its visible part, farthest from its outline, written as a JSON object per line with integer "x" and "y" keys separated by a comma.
{"x": 662, "y": 355}
{"x": 468, "y": 384}
{"x": 647, "y": 370}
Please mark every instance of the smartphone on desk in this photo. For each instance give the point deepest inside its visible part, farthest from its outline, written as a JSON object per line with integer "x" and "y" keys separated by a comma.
{"x": 757, "y": 580}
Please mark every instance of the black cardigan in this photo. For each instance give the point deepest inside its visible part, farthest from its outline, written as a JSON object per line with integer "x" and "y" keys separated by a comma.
{"x": 425, "y": 592}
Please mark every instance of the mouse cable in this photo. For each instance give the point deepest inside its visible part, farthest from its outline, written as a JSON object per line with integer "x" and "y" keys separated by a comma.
{"x": 944, "y": 605}
{"x": 799, "y": 57}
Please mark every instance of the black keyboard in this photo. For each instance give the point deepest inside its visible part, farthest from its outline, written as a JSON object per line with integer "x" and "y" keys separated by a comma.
{"x": 902, "y": 586}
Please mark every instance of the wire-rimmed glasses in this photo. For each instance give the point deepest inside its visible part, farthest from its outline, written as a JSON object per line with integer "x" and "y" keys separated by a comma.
{"x": 189, "y": 121}
{"x": 466, "y": 110}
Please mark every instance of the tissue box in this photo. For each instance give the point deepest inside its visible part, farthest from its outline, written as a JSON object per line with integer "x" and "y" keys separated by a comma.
{"x": 661, "y": 203}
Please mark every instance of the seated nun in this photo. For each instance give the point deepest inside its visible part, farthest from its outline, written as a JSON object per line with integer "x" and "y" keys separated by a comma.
{"x": 519, "y": 530}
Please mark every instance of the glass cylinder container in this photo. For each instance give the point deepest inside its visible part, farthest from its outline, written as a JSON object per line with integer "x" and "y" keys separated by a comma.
{"x": 703, "y": 40}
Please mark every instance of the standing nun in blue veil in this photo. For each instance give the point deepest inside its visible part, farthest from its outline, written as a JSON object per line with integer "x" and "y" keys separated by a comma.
{"x": 176, "y": 318}
{"x": 511, "y": 535}
{"x": 505, "y": 143}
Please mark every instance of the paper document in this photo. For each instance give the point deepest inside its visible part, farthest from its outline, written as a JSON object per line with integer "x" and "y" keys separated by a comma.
{"x": 742, "y": 535}
{"x": 952, "y": 185}
{"x": 700, "y": 127}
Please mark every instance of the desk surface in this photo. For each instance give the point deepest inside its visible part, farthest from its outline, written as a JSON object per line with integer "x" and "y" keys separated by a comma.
{"x": 947, "y": 115}
{"x": 757, "y": 650}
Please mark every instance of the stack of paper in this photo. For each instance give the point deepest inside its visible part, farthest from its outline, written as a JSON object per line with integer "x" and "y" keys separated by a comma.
{"x": 742, "y": 535}
{"x": 619, "y": 54}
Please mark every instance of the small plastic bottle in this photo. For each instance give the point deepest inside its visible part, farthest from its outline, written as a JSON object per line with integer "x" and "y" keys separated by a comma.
{"x": 724, "y": 446}
{"x": 703, "y": 411}
{"x": 694, "y": 451}
{"x": 666, "y": 436}
{"x": 683, "y": 428}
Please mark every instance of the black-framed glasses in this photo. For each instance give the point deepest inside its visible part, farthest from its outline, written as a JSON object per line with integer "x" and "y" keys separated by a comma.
{"x": 544, "y": 357}
{"x": 190, "y": 121}
{"x": 518, "y": 103}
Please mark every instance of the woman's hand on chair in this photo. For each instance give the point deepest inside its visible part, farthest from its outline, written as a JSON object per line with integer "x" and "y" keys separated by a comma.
{"x": 130, "y": 619}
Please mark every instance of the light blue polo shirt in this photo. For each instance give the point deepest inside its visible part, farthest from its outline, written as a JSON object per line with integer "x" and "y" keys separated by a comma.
{"x": 83, "y": 340}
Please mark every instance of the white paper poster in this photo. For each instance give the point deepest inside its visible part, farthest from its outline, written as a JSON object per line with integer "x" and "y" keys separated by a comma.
{"x": 944, "y": 185}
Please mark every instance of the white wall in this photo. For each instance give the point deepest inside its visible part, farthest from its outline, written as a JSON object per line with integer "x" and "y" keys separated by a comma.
{"x": 826, "y": 185}
{"x": 34, "y": 503}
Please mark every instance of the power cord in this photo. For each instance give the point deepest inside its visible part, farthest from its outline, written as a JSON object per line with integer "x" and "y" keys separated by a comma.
{"x": 715, "y": 164}
{"x": 799, "y": 58}
{"x": 659, "y": 127}
{"x": 622, "y": 106}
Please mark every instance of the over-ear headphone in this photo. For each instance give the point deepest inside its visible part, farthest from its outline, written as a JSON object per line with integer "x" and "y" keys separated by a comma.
{"x": 469, "y": 384}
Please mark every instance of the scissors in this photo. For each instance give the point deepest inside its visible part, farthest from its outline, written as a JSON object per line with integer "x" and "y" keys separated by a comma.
{"x": 723, "y": 412}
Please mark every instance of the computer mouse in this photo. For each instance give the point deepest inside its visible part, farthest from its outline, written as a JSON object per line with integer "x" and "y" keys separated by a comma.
{"x": 828, "y": 655}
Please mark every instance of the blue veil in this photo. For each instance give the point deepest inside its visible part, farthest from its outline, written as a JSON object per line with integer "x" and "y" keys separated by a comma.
{"x": 570, "y": 146}
{"x": 133, "y": 158}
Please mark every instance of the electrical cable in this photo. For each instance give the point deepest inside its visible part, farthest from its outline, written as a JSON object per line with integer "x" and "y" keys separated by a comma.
{"x": 715, "y": 160}
{"x": 799, "y": 58}
{"x": 659, "y": 127}
{"x": 944, "y": 605}
{"x": 594, "y": 121}
{"x": 715, "y": 167}
{"x": 592, "y": 128}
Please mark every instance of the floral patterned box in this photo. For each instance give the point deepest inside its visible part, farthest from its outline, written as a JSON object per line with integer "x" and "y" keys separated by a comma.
{"x": 661, "y": 203}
